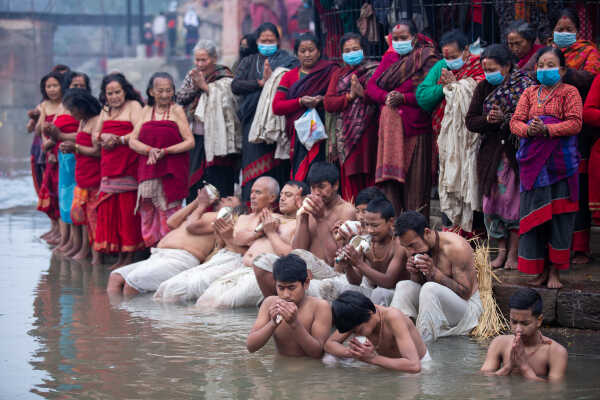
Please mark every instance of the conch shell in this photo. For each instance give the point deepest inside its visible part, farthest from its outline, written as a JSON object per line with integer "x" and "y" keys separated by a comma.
{"x": 301, "y": 209}
{"x": 225, "y": 213}
{"x": 213, "y": 192}
{"x": 362, "y": 244}
{"x": 348, "y": 227}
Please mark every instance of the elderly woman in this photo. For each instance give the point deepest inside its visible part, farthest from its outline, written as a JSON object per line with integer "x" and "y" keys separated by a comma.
{"x": 547, "y": 119}
{"x": 355, "y": 138}
{"x": 118, "y": 227}
{"x": 520, "y": 37}
{"x": 579, "y": 54}
{"x": 163, "y": 139}
{"x": 300, "y": 89}
{"x": 494, "y": 102}
{"x": 405, "y": 132}
{"x": 205, "y": 165}
{"x": 252, "y": 73}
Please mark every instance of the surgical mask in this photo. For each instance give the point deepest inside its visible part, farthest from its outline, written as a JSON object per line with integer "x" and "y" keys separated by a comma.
{"x": 267, "y": 50}
{"x": 455, "y": 64}
{"x": 564, "y": 39}
{"x": 402, "y": 47}
{"x": 495, "y": 78}
{"x": 353, "y": 58}
{"x": 548, "y": 77}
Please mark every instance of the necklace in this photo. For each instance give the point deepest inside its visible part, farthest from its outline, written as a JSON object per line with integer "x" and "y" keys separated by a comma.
{"x": 541, "y": 101}
{"x": 382, "y": 258}
{"x": 164, "y": 114}
{"x": 380, "y": 338}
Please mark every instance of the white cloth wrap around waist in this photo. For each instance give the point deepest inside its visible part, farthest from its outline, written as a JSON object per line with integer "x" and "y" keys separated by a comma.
{"x": 189, "y": 285}
{"x": 234, "y": 290}
{"x": 147, "y": 275}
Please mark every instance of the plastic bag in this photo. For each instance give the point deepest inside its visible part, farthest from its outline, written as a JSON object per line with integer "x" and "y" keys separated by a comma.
{"x": 310, "y": 128}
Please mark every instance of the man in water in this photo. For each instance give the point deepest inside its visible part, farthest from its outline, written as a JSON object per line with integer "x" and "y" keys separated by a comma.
{"x": 299, "y": 323}
{"x": 236, "y": 236}
{"x": 526, "y": 351}
{"x": 189, "y": 242}
{"x": 443, "y": 292}
{"x": 384, "y": 336}
{"x": 241, "y": 288}
{"x": 384, "y": 264}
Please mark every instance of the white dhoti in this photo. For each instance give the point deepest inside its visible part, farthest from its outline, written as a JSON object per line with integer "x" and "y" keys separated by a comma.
{"x": 330, "y": 288}
{"x": 382, "y": 296}
{"x": 190, "y": 285}
{"x": 235, "y": 290}
{"x": 438, "y": 310}
{"x": 147, "y": 275}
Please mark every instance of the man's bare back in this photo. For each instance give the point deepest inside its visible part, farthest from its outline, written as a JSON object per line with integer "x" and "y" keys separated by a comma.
{"x": 454, "y": 250}
{"x": 388, "y": 346}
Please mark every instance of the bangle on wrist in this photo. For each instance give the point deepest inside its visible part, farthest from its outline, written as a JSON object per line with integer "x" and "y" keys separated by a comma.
{"x": 76, "y": 148}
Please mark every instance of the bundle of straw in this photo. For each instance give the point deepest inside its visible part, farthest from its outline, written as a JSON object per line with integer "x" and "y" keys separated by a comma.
{"x": 492, "y": 322}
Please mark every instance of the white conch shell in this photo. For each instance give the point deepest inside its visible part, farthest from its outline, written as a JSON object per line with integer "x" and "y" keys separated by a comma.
{"x": 278, "y": 319}
{"x": 225, "y": 213}
{"x": 361, "y": 339}
{"x": 349, "y": 228}
{"x": 362, "y": 244}
{"x": 213, "y": 192}
{"x": 301, "y": 209}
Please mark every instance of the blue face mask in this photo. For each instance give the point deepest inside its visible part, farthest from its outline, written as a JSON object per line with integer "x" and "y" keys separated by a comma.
{"x": 455, "y": 64}
{"x": 548, "y": 77}
{"x": 353, "y": 58}
{"x": 564, "y": 39}
{"x": 495, "y": 78}
{"x": 402, "y": 47}
{"x": 267, "y": 50}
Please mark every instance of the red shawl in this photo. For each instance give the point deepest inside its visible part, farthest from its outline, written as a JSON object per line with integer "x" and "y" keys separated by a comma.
{"x": 66, "y": 124}
{"x": 87, "y": 168}
{"x": 172, "y": 169}
{"x": 121, "y": 160}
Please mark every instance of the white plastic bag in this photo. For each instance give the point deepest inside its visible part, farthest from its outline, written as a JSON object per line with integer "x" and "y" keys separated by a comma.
{"x": 310, "y": 128}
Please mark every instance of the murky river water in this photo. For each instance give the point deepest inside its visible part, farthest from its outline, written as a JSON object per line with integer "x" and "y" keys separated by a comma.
{"x": 62, "y": 338}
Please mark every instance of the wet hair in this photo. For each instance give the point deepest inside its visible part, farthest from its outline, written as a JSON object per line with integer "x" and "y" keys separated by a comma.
{"x": 163, "y": 75}
{"x": 83, "y": 101}
{"x": 412, "y": 28}
{"x": 290, "y": 268}
{"x": 130, "y": 92}
{"x": 352, "y": 36}
{"x": 549, "y": 49}
{"x": 368, "y": 194}
{"x": 566, "y": 13}
{"x": 499, "y": 53}
{"x": 69, "y": 76}
{"x": 267, "y": 26}
{"x": 300, "y": 185}
{"x": 526, "y": 299}
{"x": 307, "y": 37}
{"x": 454, "y": 36}
{"x": 272, "y": 184}
{"x": 209, "y": 46}
{"x": 61, "y": 68}
{"x": 410, "y": 221}
{"x": 383, "y": 207}
{"x": 523, "y": 28}
{"x": 351, "y": 309}
{"x": 322, "y": 172}
{"x": 55, "y": 75}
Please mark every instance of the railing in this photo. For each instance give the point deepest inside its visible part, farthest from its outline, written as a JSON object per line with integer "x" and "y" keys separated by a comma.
{"x": 482, "y": 19}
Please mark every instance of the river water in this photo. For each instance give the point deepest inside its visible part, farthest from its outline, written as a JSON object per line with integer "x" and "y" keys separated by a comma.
{"x": 63, "y": 338}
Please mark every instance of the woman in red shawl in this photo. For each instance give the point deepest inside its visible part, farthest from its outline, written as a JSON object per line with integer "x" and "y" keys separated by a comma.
{"x": 580, "y": 54}
{"x": 118, "y": 228}
{"x": 405, "y": 133}
{"x": 163, "y": 139}
{"x": 520, "y": 37}
{"x": 51, "y": 88}
{"x": 86, "y": 108}
{"x": 354, "y": 142}
{"x": 300, "y": 89}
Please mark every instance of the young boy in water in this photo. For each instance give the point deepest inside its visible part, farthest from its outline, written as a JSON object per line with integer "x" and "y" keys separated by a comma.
{"x": 526, "y": 351}
{"x": 384, "y": 336}
{"x": 300, "y": 324}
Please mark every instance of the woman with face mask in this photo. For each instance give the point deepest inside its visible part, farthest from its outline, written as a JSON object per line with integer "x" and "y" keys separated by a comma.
{"x": 547, "y": 120}
{"x": 403, "y": 168}
{"x": 579, "y": 54}
{"x": 251, "y": 75}
{"x": 355, "y": 141}
{"x": 494, "y": 102}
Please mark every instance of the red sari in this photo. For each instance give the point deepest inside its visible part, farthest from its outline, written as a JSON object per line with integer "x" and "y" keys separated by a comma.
{"x": 118, "y": 228}
{"x": 48, "y": 193}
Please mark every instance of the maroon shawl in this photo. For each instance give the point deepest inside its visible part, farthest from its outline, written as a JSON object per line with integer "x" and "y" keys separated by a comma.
{"x": 121, "y": 160}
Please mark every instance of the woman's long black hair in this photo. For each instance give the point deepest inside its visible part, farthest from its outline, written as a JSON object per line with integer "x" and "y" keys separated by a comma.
{"x": 83, "y": 101}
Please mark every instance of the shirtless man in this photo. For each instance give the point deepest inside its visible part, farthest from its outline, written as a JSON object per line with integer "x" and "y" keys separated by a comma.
{"x": 189, "y": 242}
{"x": 526, "y": 352}
{"x": 443, "y": 292}
{"x": 237, "y": 236}
{"x": 389, "y": 338}
{"x": 300, "y": 324}
{"x": 241, "y": 288}
{"x": 385, "y": 262}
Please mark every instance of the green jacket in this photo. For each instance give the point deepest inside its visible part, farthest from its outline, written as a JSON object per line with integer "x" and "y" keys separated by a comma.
{"x": 429, "y": 93}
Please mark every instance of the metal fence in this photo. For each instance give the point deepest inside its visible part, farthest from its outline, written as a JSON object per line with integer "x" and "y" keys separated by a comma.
{"x": 482, "y": 19}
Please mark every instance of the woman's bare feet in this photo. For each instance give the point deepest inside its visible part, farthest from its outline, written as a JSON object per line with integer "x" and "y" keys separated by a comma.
{"x": 96, "y": 258}
{"x": 553, "y": 278}
{"x": 540, "y": 280}
{"x": 580, "y": 258}
{"x": 512, "y": 260}
{"x": 498, "y": 262}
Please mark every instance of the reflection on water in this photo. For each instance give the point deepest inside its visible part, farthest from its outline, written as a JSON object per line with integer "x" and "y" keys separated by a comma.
{"x": 88, "y": 347}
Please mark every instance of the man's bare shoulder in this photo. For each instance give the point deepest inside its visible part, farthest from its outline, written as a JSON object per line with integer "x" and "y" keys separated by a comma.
{"x": 346, "y": 210}
{"x": 316, "y": 304}
{"x": 455, "y": 246}
{"x": 269, "y": 301}
{"x": 557, "y": 349}
{"x": 393, "y": 315}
